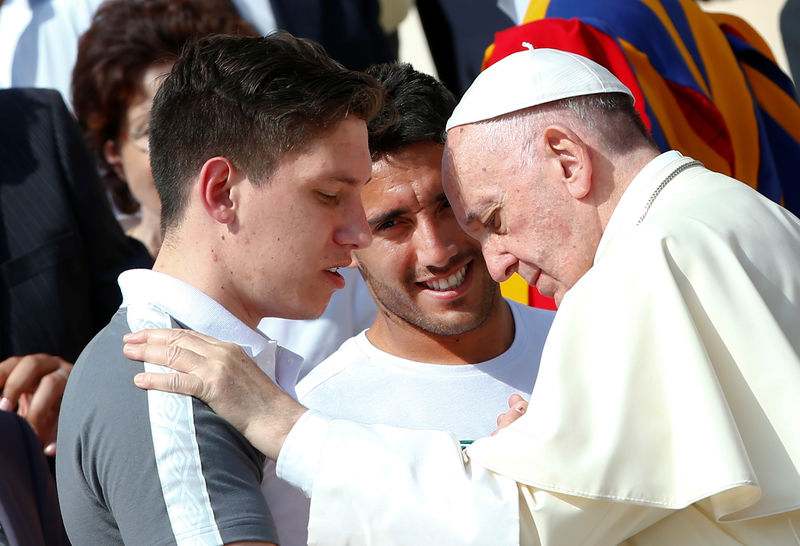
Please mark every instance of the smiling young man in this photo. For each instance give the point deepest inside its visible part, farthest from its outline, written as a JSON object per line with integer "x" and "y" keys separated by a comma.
{"x": 443, "y": 328}
{"x": 446, "y": 350}
{"x": 259, "y": 153}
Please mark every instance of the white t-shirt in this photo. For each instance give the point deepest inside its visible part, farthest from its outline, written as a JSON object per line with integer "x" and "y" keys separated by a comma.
{"x": 382, "y": 388}
{"x": 350, "y": 311}
{"x": 362, "y": 383}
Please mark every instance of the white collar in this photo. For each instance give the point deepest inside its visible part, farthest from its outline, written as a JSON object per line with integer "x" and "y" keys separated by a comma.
{"x": 198, "y": 311}
{"x": 629, "y": 208}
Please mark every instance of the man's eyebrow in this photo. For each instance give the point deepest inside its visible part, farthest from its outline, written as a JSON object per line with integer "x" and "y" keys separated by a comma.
{"x": 344, "y": 179}
{"x": 386, "y": 216}
{"x": 475, "y": 216}
{"x": 350, "y": 181}
{"x": 394, "y": 213}
{"x": 471, "y": 218}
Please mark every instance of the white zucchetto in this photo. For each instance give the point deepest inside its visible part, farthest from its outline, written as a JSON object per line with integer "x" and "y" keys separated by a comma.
{"x": 530, "y": 78}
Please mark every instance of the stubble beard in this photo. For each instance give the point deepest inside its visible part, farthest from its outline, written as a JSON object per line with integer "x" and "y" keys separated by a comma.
{"x": 399, "y": 304}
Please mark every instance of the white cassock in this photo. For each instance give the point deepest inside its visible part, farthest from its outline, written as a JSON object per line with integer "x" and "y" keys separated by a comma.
{"x": 665, "y": 410}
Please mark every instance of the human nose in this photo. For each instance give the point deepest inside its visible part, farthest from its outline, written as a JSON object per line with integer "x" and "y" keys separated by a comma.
{"x": 435, "y": 246}
{"x": 501, "y": 264}
{"x": 355, "y": 231}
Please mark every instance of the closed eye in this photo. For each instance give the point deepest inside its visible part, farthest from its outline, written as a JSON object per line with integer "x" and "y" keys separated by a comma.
{"x": 328, "y": 198}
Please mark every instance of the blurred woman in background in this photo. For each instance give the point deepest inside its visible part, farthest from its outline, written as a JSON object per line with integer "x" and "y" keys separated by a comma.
{"x": 121, "y": 58}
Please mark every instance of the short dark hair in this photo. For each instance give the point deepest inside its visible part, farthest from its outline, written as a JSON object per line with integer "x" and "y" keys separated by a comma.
{"x": 251, "y": 100}
{"x": 416, "y": 109}
{"x": 125, "y": 39}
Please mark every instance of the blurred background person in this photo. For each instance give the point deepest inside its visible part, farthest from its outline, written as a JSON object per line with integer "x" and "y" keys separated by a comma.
{"x": 29, "y": 514}
{"x": 61, "y": 251}
{"x": 349, "y": 30}
{"x": 458, "y": 36}
{"x": 790, "y": 34}
{"x": 64, "y": 248}
{"x": 39, "y": 38}
{"x": 121, "y": 58}
{"x": 39, "y": 41}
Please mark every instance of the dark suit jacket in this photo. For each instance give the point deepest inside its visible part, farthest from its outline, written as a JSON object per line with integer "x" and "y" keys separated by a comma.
{"x": 458, "y": 34}
{"x": 61, "y": 249}
{"x": 348, "y": 29}
{"x": 29, "y": 514}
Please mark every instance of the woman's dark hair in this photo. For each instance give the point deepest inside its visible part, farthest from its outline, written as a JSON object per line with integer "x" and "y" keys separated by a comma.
{"x": 125, "y": 39}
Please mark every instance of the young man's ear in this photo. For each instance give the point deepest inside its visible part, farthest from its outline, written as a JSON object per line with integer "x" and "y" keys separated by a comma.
{"x": 572, "y": 156}
{"x": 217, "y": 179}
{"x": 114, "y": 158}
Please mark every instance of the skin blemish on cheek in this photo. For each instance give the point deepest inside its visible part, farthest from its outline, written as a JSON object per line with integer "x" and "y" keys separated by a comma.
{"x": 222, "y": 237}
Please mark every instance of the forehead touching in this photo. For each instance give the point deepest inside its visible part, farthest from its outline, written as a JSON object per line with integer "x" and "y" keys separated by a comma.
{"x": 471, "y": 158}
{"x": 477, "y": 169}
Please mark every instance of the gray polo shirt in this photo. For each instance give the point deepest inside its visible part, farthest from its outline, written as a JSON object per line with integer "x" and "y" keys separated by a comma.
{"x": 145, "y": 467}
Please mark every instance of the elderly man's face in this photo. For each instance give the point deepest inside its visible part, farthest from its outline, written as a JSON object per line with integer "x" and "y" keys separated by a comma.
{"x": 523, "y": 217}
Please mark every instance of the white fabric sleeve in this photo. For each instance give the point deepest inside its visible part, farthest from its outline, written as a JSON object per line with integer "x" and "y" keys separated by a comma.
{"x": 385, "y": 485}
{"x": 302, "y": 451}
{"x": 375, "y": 484}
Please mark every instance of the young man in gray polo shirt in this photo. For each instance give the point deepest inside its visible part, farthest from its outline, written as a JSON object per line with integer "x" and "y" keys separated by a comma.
{"x": 259, "y": 153}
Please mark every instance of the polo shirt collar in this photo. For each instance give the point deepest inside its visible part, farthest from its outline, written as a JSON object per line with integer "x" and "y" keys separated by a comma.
{"x": 197, "y": 311}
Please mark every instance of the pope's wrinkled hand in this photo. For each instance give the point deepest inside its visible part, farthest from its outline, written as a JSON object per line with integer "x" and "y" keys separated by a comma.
{"x": 221, "y": 375}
